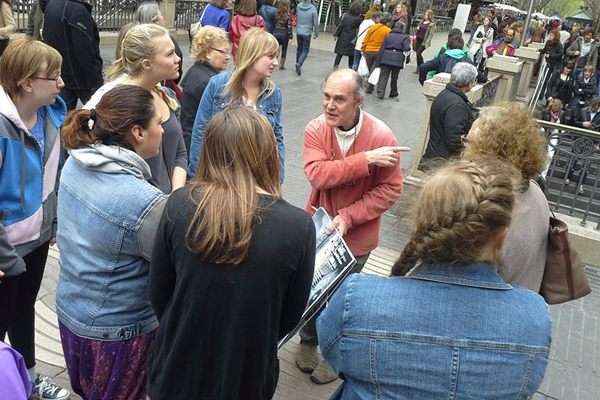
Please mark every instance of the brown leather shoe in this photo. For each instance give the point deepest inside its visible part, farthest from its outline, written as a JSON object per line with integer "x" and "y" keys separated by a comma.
{"x": 307, "y": 358}
{"x": 323, "y": 374}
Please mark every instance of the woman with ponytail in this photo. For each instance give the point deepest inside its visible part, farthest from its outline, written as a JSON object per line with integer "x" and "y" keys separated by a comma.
{"x": 107, "y": 218}
{"x": 445, "y": 325}
{"x": 148, "y": 57}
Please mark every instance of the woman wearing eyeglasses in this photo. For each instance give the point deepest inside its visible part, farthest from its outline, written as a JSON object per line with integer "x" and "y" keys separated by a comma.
{"x": 211, "y": 50}
{"x": 31, "y": 115}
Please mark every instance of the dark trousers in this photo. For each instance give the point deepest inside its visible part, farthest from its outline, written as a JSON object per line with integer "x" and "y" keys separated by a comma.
{"x": 303, "y": 48}
{"x": 308, "y": 334}
{"x": 17, "y": 300}
{"x": 419, "y": 49}
{"x": 357, "y": 57}
{"x": 70, "y": 96}
{"x": 371, "y": 59}
{"x": 383, "y": 79}
{"x": 283, "y": 40}
{"x": 338, "y": 58}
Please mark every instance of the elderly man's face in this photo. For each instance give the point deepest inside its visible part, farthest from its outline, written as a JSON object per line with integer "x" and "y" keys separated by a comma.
{"x": 340, "y": 102}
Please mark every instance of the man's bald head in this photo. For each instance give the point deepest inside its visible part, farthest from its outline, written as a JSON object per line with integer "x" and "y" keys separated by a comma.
{"x": 347, "y": 76}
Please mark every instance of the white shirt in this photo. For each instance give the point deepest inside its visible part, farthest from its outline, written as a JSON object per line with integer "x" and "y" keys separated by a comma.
{"x": 362, "y": 32}
{"x": 345, "y": 139}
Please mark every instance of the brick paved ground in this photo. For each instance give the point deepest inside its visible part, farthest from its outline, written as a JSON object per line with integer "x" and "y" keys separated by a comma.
{"x": 573, "y": 372}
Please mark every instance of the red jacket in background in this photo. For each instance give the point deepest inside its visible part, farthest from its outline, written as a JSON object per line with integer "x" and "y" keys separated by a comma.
{"x": 239, "y": 25}
{"x": 347, "y": 185}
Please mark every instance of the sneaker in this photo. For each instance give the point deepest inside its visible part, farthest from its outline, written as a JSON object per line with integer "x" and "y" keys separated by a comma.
{"x": 307, "y": 359}
{"x": 323, "y": 374}
{"x": 45, "y": 389}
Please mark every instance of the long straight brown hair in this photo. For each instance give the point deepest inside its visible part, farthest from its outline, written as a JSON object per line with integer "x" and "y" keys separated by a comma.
{"x": 239, "y": 156}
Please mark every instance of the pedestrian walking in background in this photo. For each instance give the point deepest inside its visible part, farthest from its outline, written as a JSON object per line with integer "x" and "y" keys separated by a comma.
{"x": 451, "y": 117}
{"x": 391, "y": 59}
{"x": 307, "y": 18}
{"x": 70, "y": 29}
{"x": 148, "y": 58}
{"x": 410, "y": 332}
{"x": 224, "y": 290}
{"x": 509, "y": 133}
{"x": 216, "y": 14}
{"x": 352, "y": 162}
{"x": 346, "y": 33}
{"x": 31, "y": 115}
{"x": 283, "y": 29}
{"x": 360, "y": 37}
{"x": 480, "y": 40}
{"x": 373, "y": 42}
{"x": 211, "y": 49}
{"x": 268, "y": 12}
{"x": 244, "y": 19}
{"x": 423, "y": 35}
{"x": 249, "y": 84}
{"x": 108, "y": 213}
{"x": 35, "y": 19}
{"x": 7, "y": 24}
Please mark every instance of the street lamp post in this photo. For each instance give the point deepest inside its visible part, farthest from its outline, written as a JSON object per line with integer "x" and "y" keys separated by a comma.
{"x": 527, "y": 22}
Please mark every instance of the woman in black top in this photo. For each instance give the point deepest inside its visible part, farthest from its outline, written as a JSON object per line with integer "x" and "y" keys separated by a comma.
{"x": 211, "y": 49}
{"x": 346, "y": 34}
{"x": 231, "y": 269}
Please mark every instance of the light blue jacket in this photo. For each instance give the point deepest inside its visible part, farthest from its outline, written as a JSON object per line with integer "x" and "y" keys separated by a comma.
{"x": 308, "y": 19}
{"x": 107, "y": 219}
{"x": 445, "y": 332}
{"x": 214, "y": 99}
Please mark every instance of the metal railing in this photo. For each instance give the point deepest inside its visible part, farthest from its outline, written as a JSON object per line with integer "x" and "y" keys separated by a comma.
{"x": 111, "y": 15}
{"x": 573, "y": 172}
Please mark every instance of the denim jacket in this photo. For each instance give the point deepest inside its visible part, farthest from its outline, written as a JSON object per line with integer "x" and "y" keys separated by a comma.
{"x": 445, "y": 332}
{"x": 215, "y": 100}
{"x": 107, "y": 219}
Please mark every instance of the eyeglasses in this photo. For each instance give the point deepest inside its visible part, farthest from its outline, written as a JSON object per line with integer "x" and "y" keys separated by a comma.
{"x": 55, "y": 80}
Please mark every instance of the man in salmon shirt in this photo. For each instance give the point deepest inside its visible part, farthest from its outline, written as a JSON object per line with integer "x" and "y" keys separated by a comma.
{"x": 352, "y": 161}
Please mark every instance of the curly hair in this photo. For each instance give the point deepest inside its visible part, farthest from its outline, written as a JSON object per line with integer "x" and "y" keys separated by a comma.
{"x": 459, "y": 210}
{"x": 508, "y": 132}
{"x": 206, "y": 39}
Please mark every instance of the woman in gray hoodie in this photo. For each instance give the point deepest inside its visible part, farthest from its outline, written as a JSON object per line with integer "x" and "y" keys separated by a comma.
{"x": 308, "y": 22}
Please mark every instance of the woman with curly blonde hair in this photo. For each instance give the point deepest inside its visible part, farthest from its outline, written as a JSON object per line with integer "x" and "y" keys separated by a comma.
{"x": 509, "y": 133}
{"x": 211, "y": 49}
{"x": 451, "y": 328}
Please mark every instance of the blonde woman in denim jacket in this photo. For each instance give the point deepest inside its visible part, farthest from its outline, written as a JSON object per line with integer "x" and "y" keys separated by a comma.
{"x": 451, "y": 328}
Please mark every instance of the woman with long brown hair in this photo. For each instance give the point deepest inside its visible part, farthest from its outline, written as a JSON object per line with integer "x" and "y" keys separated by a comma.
{"x": 423, "y": 35}
{"x": 231, "y": 269}
{"x": 283, "y": 29}
{"x": 451, "y": 328}
{"x": 7, "y": 24}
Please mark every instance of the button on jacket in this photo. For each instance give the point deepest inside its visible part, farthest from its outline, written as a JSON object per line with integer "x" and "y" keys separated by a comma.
{"x": 445, "y": 332}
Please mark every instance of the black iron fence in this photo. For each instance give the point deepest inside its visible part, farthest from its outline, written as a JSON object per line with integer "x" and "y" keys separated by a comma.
{"x": 111, "y": 15}
{"x": 574, "y": 171}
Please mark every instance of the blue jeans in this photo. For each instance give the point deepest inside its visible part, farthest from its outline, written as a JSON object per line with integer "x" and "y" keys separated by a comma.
{"x": 303, "y": 48}
{"x": 357, "y": 57}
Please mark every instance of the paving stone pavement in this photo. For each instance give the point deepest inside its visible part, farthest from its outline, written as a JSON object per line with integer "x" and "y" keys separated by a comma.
{"x": 573, "y": 372}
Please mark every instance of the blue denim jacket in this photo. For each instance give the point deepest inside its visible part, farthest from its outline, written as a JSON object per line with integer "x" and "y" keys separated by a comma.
{"x": 107, "y": 219}
{"x": 214, "y": 100}
{"x": 445, "y": 332}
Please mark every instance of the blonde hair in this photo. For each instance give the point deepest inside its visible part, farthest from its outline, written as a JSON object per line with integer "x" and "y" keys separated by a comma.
{"x": 254, "y": 44}
{"x": 24, "y": 58}
{"x": 459, "y": 210}
{"x": 206, "y": 38}
{"x": 508, "y": 132}
{"x": 137, "y": 46}
{"x": 239, "y": 155}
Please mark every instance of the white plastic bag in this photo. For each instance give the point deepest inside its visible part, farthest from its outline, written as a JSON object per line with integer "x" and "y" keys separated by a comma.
{"x": 363, "y": 69}
{"x": 374, "y": 77}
